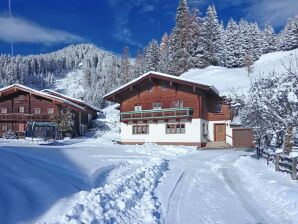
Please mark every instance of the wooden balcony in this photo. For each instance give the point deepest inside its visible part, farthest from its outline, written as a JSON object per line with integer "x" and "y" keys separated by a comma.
{"x": 19, "y": 117}
{"x": 168, "y": 113}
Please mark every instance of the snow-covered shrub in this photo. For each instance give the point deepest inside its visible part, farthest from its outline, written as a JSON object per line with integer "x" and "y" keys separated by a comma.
{"x": 10, "y": 134}
{"x": 271, "y": 106}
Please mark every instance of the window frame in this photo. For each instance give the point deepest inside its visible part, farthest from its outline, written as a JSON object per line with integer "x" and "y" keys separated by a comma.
{"x": 3, "y": 109}
{"x": 154, "y": 107}
{"x": 6, "y": 127}
{"x": 177, "y": 104}
{"x": 218, "y": 105}
{"x": 140, "y": 129}
{"x": 178, "y": 128}
{"x": 52, "y": 109}
{"x": 138, "y": 107}
{"x": 23, "y": 109}
{"x": 36, "y": 109}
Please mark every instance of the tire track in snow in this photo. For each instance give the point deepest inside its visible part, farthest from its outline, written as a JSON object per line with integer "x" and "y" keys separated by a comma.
{"x": 231, "y": 179}
{"x": 172, "y": 193}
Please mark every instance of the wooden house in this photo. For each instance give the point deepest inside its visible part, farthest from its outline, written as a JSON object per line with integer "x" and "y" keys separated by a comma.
{"x": 167, "y": 109}
{"x": 20, "y": 104}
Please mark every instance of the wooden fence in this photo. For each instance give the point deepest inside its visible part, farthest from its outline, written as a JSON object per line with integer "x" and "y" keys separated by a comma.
{"x": 283, "y": 163}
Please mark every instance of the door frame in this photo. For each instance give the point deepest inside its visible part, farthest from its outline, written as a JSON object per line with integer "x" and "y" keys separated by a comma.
{"x": 214, "y": 130}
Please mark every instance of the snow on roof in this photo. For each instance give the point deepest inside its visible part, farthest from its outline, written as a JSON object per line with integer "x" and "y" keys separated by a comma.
{"x": 71, "y": 98}
{"x": 164, "y": 75}
{"x": 41, "y": 94}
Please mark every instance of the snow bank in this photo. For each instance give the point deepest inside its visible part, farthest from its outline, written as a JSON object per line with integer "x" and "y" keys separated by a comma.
{"x": 127, "y": 197}
{"x": 275, "y": 191}
{"x": 160, "y": 151}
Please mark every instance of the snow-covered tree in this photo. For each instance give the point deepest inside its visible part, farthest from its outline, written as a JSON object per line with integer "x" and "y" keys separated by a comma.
{"x": 151, "y": 56}
{"x": 289, "y": 36}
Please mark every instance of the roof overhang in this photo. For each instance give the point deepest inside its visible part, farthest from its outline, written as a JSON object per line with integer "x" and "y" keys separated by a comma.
{"x": 160, "y": 76}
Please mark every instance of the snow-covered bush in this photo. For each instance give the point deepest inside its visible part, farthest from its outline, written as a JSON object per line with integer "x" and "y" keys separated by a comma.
{"x": 271, "y": 106}
{"x": 9, "y": 134}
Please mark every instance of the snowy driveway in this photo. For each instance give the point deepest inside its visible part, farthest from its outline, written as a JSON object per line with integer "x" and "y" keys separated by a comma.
{"x": 88, "y": 182}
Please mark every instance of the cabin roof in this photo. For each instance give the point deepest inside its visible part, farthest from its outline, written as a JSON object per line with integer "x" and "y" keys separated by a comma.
{"x": 161, "y": 76}
{"x": 49, "y": 91}
{"x": 42, "y": 94}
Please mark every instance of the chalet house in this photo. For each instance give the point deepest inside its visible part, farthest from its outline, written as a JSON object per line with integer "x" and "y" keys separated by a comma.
{"x": 167, "y": 109}
{"x": 20, "y": 105}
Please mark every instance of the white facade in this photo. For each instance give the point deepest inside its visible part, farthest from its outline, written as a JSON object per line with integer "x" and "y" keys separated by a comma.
{"x": 196, "y": 131}
{"x": 228, "y": 130}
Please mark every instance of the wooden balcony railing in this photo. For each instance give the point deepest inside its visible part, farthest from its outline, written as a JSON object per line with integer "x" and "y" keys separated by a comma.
{"x": 24, "y": 117}
{"x": 169, "y": 113}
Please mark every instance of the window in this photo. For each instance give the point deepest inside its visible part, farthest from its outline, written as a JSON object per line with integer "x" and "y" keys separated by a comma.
{"x": 140, "y": 129}
{"x": 3, "y": 110}
{"x": 36, "y": 110}
{"x": 20, "y": 97}
{"x": 204, "y": 129}
{"x": 4, "y": 127}
{"x": 138, "y": 107}
{"x": 21, "y": 109}
{"x": 22, "y": 127}
{"x": 156, "y": 105}
{"x": 217, "y": 108}
{"x": 175, "y": 128}
{"x": 164, "y": 86}
{"x": 177, "y": 104}
{"x": 51, "y": 111}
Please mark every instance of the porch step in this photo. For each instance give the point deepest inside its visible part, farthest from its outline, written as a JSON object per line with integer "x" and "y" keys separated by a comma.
{"x": 217, "y": 145}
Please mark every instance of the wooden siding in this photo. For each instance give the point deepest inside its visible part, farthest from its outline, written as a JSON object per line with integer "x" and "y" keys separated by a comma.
{"x": 148, "y": 92}
{"x": 13, "y": 119}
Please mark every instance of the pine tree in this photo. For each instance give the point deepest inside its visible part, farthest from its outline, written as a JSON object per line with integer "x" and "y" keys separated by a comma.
{"x": 139, "y": 66}
{"x": 125, "y": 66}
{"x": 197, "y": 42}
{"x": 289, "y": 36}
{"x": 233, "y": 47}
{"x": 269, "y": 42}
{"x": 163, "y": 54}
{"x": 151, "y": 56}
{"x": 213, "y": 37}
{"x": 178, "y": 42}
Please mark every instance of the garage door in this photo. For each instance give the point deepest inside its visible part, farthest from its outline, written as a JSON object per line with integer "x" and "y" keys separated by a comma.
{"x": 242, "y": 138}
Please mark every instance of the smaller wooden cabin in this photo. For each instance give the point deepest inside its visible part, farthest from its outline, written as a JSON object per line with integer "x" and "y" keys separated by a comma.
{"x": 20, "y": 105}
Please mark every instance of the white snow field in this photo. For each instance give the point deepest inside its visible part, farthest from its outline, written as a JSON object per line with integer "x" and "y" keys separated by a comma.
{"x": 237, "y": 79}
{"x": 93, "y": 180}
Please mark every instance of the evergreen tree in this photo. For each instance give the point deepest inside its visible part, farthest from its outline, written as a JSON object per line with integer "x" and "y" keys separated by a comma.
{"x": 178, "y": 43}
{"x": 151, "y": 56}
{"x": 163, "y": 61}
{"x": 233, "y": 46}
{"x": 125, "y": 66}
{"x": 269, "y": 43}
{"x": 213, "y": 36}
{"x": 289, "y": 36}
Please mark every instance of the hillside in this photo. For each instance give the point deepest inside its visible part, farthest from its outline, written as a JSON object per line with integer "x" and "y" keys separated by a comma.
{"x": 237, "y": 79}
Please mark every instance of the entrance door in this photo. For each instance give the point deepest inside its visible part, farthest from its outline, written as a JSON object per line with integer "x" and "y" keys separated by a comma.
{"x": 220, "y": 132}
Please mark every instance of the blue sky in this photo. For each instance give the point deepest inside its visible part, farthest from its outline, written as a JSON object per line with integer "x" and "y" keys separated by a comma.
{"x": 40, "y": 26}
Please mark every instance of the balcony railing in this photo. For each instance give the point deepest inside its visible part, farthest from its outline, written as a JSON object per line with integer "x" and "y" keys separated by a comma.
{"x": 24, "y": 117}
{"x": 169, "y": 113}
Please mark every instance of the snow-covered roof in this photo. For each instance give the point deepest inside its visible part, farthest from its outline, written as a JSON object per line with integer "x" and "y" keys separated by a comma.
{"x": 70, "y": 98}
{"x": 40, "y": 93}
{"x": 176, "y": 78}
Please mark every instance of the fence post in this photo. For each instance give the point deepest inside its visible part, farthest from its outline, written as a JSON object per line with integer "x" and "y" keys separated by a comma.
{"x": 294, "y": 170}
{"x": 277, "y": 158}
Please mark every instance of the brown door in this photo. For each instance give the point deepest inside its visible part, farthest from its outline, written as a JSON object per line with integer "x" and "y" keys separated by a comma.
{"x": 220, "y": 132}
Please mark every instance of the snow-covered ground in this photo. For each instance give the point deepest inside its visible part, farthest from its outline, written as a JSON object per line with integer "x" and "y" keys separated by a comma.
{"x": 238, "y": 79}
{"x": 95, "y": 180}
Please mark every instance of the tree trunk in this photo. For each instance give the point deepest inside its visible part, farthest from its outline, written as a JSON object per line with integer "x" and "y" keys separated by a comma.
{"x": 288, "y": 140}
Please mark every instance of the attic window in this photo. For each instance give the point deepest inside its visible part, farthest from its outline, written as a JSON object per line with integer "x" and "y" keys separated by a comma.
{"x": 20, "y": 97}
{"x": 164, "y": 86}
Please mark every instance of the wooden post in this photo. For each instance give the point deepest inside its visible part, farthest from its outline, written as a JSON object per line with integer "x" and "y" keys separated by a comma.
{"x": 277, "y": 157}
{"x": 294, "y": 170}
